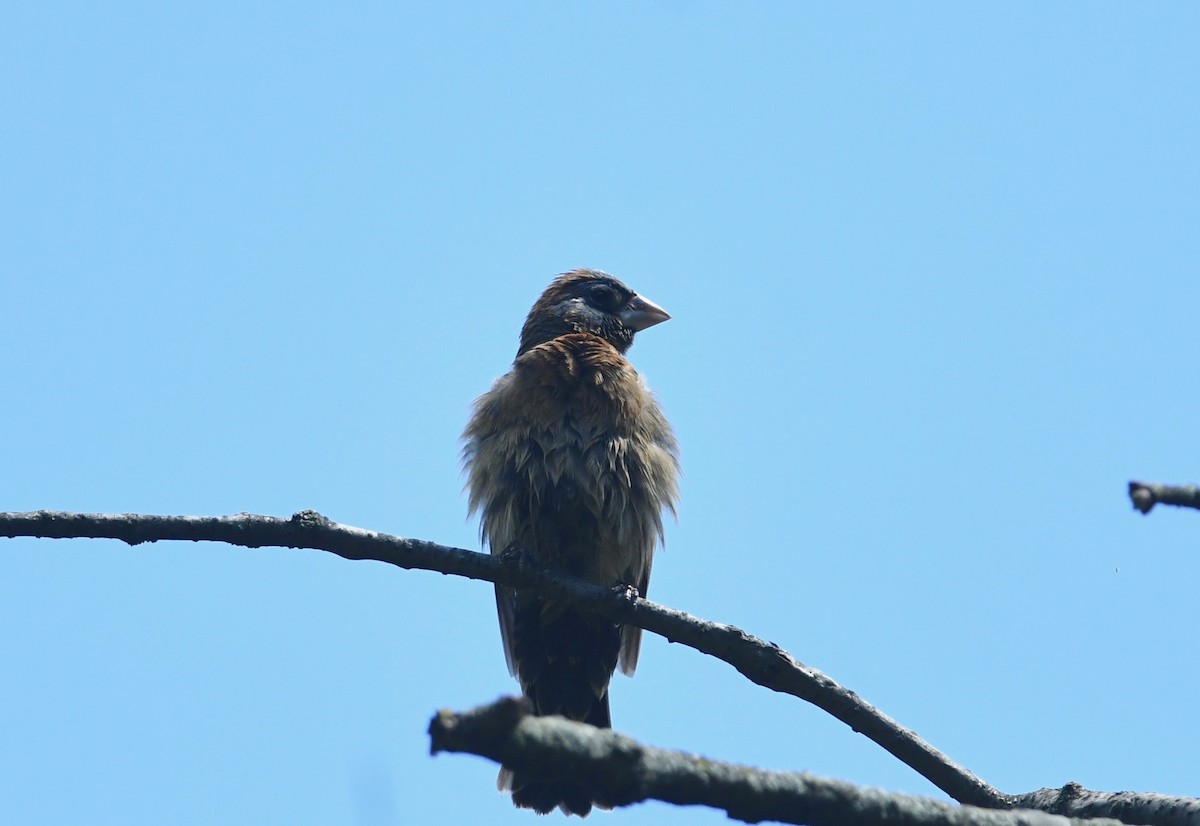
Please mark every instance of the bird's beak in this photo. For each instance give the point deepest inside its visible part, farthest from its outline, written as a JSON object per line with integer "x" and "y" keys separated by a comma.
{"x": 641, "y": 313}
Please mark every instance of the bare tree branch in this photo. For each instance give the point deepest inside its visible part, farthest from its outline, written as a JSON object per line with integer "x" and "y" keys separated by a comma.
{"x": 1073, "y": 800}
{"x": 762, "y": 662}
{"x": 1145, "y": 495}
{"x": 619, "y": 771}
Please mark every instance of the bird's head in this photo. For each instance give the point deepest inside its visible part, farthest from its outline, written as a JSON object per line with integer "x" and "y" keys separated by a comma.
{"x": 589, "y": 301}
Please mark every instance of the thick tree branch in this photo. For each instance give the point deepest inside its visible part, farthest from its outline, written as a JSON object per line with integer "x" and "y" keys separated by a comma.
{"x": 1145, "y": 495}
{"x": 1073, "y": 800}
{"x": 619, "y": 771}
{"x": 762, "y": 662}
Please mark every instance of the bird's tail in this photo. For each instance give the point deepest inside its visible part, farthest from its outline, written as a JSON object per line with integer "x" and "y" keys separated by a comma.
{"x": 566, "y": 660}
{"x": 543, "y": 796}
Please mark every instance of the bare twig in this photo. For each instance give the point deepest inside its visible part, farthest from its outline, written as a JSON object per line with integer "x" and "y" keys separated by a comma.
{"x": 1145, "y": 495}
{"x": 619, "y": 771}
{"x": 762, "y": 662}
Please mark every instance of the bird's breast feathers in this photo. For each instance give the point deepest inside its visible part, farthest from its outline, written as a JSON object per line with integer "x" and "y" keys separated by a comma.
{"x": 572, "y": 435}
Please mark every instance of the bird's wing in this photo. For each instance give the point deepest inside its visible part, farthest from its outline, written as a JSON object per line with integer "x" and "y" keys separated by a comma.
{"x": 631, "y": 635}
{"x": 506, "y": 606}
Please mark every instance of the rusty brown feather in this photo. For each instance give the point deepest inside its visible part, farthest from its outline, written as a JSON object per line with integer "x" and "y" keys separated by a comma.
{"x": 570, "y": 458}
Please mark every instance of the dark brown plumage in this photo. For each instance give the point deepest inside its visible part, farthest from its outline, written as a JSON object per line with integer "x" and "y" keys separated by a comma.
{"x": 569, "y": 457}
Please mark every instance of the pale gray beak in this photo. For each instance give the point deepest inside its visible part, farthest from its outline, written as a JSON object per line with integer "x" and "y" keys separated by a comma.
{"x": 641, "y": 313}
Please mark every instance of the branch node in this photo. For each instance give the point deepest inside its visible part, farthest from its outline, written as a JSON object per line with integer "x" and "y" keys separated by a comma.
{"x": 1142, "y": 497}
{"x": 624, "y": 594}
{"x": 311, "y": 520}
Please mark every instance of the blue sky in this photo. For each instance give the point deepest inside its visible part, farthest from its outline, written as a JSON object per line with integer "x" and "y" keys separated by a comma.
{"x": 933, "y": 273}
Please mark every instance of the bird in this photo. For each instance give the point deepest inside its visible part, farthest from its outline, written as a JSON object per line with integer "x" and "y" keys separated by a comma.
{"x": 570, "y": 458}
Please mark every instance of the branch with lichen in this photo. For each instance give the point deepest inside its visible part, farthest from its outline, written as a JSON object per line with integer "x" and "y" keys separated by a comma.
{"x": 617, "y": 770}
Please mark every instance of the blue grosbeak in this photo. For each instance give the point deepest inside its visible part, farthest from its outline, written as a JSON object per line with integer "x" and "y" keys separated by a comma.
{"x": 569, "y": 458}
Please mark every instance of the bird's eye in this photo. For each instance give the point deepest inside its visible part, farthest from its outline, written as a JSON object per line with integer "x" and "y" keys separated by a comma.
{"x": 604, "y": 297}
